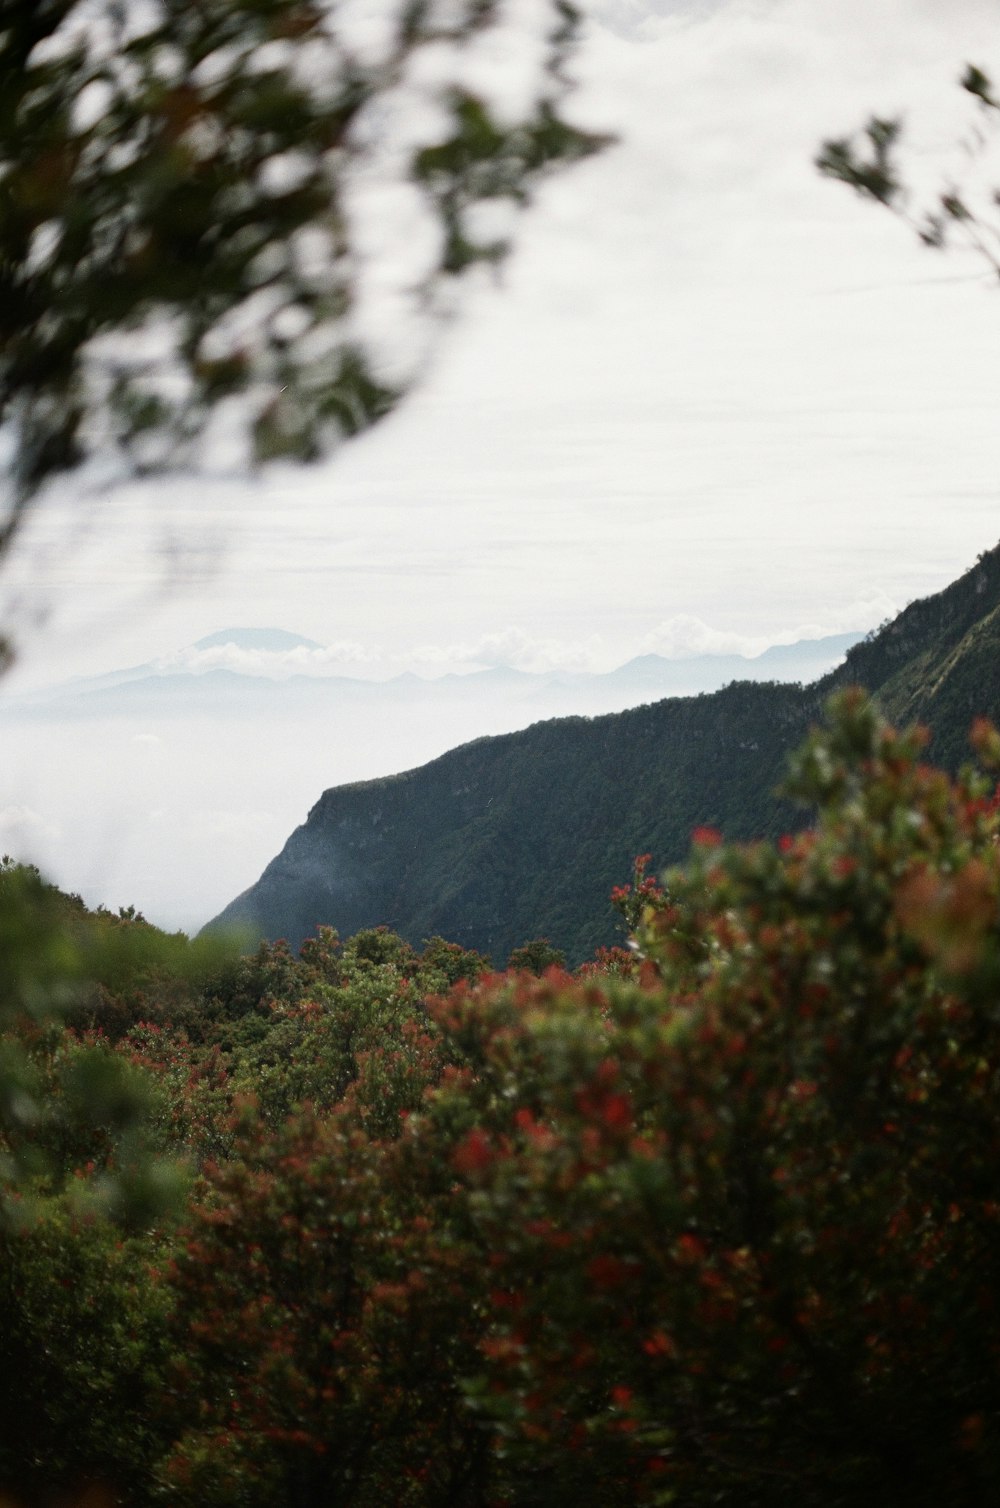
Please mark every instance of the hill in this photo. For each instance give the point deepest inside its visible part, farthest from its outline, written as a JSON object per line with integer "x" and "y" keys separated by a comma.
{"x": 525, "y": 834}
{"x": 938, "y": 662}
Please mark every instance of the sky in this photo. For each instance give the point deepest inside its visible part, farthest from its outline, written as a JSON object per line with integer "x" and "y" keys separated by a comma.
{"x": 712, "y": 402}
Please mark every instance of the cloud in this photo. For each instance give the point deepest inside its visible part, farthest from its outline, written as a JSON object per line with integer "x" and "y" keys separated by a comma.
{"x": 274, "y": 664}
{"x": 680, "y": 637}
{"x": 707, "y": 387}
{"x": 684, "y": 636}
{"x": 510, "y": 646}
{"x": 514, "y": 648}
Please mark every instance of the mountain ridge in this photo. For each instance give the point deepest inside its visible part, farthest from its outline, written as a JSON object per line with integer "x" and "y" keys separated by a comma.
{"x": 525, "y": 833}
{"x": 170, "y": 676}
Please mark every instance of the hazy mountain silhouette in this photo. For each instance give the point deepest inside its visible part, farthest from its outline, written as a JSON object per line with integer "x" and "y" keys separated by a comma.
{"x": 524, "y": 834}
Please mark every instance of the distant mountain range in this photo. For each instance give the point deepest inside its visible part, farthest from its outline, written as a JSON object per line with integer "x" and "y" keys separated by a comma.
{"x": 195, "y": 766}
{"x": 524, "y": 835}
{"x": 181, "y": 684}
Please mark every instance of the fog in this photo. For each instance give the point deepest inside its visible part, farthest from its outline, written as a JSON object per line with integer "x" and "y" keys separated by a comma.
{"x": 713, "y": 402}
{"x": 170, "y": 788}
{"x": 176, "y": 813}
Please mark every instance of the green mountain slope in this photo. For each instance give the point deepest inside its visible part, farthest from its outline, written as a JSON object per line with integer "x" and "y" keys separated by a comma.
{"x": 525, "y": 834}
{"x": 938, "y": 662}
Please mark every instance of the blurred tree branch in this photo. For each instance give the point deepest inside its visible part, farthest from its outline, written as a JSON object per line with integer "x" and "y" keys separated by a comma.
{"x": 179, "y": 254}
{"x": 872, "y": 168}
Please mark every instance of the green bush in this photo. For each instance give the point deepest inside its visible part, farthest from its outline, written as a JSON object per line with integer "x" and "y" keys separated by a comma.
{"x": 714, "y": 1222}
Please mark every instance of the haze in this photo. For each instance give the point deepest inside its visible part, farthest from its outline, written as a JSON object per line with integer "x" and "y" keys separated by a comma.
{"x": 716, "y": 404}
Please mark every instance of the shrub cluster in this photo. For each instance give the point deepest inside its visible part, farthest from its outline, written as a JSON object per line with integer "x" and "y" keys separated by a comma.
{"x": 714, "y": 1220}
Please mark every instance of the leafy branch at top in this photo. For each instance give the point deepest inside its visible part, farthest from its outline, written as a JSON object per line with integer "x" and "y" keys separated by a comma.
{"x": 872, "y": 168}
{"x": 183, "y": 260}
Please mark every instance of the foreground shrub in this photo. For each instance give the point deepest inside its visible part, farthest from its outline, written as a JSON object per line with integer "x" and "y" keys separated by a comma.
{"x": 320, "y": 1333}
{"x": 722, "y": 1228}
{"x": 742, "y": 1224}
{"x": 82, "y": 1328}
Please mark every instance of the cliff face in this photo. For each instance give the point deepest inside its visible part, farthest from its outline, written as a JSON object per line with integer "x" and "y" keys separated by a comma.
{"x": 524, "y": 835}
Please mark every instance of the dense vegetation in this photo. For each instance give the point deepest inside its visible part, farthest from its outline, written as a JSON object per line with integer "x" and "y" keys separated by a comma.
{"x": 528, "y": 832}
{"x": 710, "y": 1222}
{"x": 714, "y": 1221}
{"x": 183, "y": 254}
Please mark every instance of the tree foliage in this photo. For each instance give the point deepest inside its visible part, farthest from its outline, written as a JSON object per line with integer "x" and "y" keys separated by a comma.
{"x": 71, "y": 982}
{"x": 182, "y": 249}
{"x": 712, "y": 1221}
{"x": 82, "y": 1353}
{"x": 719, "y": 1226}
{"x": 959, "y": 212}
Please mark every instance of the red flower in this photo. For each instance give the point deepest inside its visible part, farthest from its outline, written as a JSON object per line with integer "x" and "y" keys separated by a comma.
{"x": 474, "y": 1153}
{"x": 706, "y": 837}
{"x": 690, "y": 1248}
{"x": 616, "y": 1111}
{"x": 658, "y": 1344}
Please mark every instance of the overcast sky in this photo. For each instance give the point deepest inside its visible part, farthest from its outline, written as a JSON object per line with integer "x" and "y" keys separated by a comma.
{"x": 715, "y": 402}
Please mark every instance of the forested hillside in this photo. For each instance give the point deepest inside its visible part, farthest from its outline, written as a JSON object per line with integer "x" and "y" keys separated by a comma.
{"x": 510, "y": 837}
{"x": 938, "y": 662}
{"x": 712, "y": 1223}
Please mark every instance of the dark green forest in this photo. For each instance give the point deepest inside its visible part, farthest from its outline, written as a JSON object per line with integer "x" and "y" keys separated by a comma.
{"x": 709, "y": 1220}
{"x": 526, "y": 833}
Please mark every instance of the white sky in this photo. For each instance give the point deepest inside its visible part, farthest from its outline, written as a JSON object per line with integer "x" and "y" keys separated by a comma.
{"x": 716, "y": 400}
{"x": 712, "y": 385}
